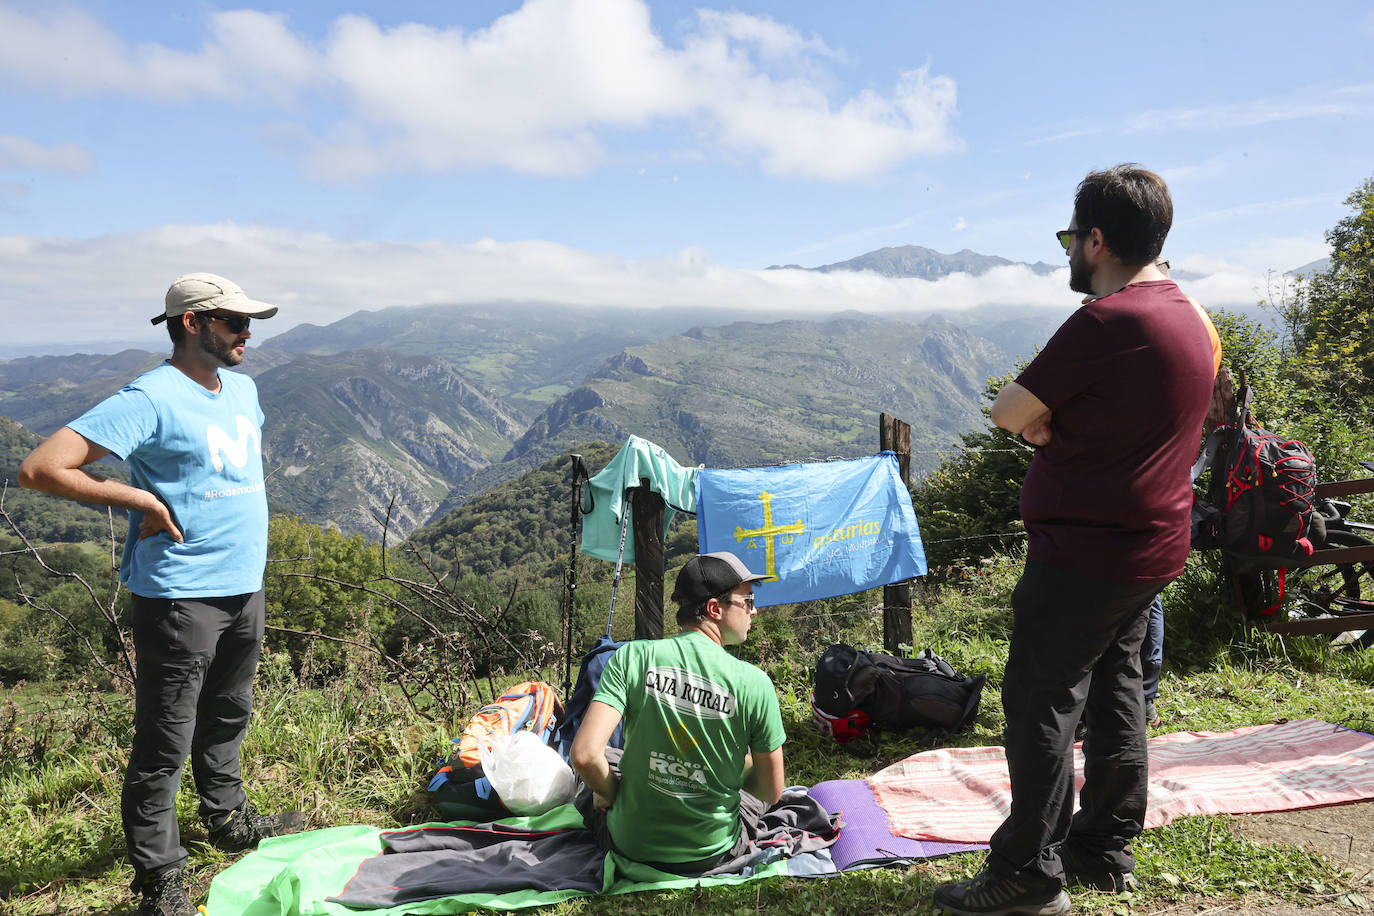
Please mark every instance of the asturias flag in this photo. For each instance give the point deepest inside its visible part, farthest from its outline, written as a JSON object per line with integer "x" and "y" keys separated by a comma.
{"x": 817, "y": 530}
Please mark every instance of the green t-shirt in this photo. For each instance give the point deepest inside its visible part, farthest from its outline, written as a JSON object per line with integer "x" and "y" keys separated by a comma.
{"x": 691, "y": 712}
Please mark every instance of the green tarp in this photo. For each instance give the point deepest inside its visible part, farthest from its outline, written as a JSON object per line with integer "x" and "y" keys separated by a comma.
{"x": 291, "y": 875}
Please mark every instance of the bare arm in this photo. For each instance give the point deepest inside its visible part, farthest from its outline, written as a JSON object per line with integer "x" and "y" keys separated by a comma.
{"x": 1017, "y": 410}
{"x": 57, "y": 467}
{"x": 766, "y": 778}
{"x": 589, "y": 752}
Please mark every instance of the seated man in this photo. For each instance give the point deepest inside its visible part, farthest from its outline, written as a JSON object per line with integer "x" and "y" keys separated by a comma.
{"x": 693, "y": 714}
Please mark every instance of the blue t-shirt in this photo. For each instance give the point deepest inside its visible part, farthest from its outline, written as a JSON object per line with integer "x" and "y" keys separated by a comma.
{"x": 200, "y": 452}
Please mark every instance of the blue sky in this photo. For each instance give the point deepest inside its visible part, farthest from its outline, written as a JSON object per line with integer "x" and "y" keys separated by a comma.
{"x": 334, "y": 158}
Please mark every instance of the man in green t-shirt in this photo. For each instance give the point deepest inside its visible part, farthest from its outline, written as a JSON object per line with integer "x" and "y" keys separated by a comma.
{"x": 700, "y": 726}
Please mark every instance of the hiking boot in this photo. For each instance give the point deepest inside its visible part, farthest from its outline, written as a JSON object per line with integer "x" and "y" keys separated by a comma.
{"x": 1099, "y": 877}
{"x": 1152, "y": 719}
{"x": 244, "y": 827}
{"x": 165, "y": 895}
{"x": 987, "y": 894}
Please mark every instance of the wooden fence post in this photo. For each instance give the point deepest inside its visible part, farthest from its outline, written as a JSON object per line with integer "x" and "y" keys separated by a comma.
{"x": 894, "y": 435}
{"x": 647, "y": 507}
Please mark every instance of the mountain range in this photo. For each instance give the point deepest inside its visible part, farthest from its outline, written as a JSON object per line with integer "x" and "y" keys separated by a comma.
{"x": 416, "y": 410}
{"x": 923, "y": 263}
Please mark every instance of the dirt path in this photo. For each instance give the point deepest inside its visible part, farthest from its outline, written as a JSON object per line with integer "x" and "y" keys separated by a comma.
{"x": 1342, "y": 833}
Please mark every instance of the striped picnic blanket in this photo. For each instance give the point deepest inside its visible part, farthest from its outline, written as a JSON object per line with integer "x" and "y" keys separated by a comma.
{"x": 961, "y": 795}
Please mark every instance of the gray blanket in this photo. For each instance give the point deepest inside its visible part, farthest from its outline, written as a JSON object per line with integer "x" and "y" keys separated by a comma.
{"x": 431, "y": 862}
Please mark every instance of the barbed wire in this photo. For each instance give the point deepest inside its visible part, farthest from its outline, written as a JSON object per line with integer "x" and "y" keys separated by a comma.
{"x": 974, "y": 537}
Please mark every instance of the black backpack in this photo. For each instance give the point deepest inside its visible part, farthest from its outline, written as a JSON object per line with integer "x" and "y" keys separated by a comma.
{"x": 1260, "y": 503}
{"x": 896, "y": 692}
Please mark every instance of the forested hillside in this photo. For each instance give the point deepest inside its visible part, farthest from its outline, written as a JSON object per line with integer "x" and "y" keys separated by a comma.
{"x": 352, "y": 433}
{"x": 44, "y": 519}
{"x": 752, "y": 394}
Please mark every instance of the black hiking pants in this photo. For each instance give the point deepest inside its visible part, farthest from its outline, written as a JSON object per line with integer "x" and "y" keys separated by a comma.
{"x": 1075, "y": 645}
{"x": 193, "y": 695}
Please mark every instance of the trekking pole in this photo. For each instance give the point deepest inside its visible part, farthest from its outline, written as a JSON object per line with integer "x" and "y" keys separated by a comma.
{"x": 579, "y": 472}
{"x": 619, "y": 561}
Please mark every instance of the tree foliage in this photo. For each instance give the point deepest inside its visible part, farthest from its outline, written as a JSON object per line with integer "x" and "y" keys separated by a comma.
{"x": 518, "y": 530}
{"x": 313, "y": 583}
{"x": 1329, "y": 316}
{"x": 969, "y": 507}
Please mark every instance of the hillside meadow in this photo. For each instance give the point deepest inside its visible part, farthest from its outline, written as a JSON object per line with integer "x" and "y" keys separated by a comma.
{"x": 346, "y": 747}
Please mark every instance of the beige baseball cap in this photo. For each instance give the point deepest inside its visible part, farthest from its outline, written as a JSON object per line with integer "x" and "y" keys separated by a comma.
{"x": 208, "y": 292}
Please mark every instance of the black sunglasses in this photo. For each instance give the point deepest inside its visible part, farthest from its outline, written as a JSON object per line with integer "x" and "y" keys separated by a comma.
{"x": 236, "y": 323}
{"x": 1065, "y": 236}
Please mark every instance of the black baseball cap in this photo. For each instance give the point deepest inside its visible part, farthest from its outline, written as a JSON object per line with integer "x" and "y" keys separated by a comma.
{"x": 711, "y": 575}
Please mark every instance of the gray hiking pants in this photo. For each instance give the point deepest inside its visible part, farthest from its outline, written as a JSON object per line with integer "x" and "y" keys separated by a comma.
{"x": 1075, "y": 650}
{"x": 193, "y": 695}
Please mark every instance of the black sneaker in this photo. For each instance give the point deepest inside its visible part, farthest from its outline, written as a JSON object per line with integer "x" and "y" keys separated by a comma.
{"x": 244, "y": 827}
{"x": 987, "y": 894}
{"x": 1083, "y": 873}
{"x": 165, "y": 895}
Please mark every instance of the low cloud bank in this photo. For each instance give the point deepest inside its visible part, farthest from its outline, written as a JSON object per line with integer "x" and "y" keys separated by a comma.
{"x": 61, "y": 289}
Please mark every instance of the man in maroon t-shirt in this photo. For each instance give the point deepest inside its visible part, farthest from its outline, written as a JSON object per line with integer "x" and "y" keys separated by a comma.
{"x": 1115, "y": 401}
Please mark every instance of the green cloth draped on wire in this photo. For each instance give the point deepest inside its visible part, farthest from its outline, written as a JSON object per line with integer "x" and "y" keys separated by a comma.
{"x": 638, "y": 459}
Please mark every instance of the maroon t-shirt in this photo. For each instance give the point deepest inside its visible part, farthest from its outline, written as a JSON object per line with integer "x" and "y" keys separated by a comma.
{"x": 1129, "y": 379}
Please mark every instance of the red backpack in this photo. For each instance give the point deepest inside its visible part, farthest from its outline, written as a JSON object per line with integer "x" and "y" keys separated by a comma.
{"x": 1260, "y": 502}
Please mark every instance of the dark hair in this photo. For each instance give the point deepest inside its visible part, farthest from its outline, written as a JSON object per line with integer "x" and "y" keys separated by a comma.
{"x": 688, "y": 614}
{"x": 1131, "y": 206}
{"x": 176, "y": 329}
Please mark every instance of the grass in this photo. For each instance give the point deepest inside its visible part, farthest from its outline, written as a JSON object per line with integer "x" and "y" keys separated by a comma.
{"x": 352, "y": 752}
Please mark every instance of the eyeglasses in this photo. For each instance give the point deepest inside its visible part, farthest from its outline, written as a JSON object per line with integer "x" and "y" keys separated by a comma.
{"x": 235, "y": 323}
{"x": 1065, "y": 236}
{"x": 729, "y": 598}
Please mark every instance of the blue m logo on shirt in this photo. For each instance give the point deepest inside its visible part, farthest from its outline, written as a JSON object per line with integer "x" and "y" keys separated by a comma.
{"x": 222, "y": 447}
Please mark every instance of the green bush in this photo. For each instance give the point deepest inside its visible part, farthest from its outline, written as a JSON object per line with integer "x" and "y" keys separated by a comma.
{"x": 26, "y": 655}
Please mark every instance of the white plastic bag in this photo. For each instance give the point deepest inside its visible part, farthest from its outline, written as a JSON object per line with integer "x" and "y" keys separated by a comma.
{"x": 527, "y": 774}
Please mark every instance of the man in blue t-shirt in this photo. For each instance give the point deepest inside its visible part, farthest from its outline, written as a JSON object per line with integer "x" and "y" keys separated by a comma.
{"x": 193, "y": 562}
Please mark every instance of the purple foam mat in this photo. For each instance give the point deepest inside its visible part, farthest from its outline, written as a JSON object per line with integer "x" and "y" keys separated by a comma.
{"x": 866, "y": 838}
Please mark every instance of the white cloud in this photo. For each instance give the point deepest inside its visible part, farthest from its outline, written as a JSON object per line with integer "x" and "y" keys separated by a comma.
{"x": 1355, "y": 100}
{"x": 246, "y": 54}
{"x": 1212, "y": 167}
{"x": 22, "y": 153}
{"x": 794, "y": 131}
{"x": 1065, "y": 135}
{"x": 1281, "y": 253}
{"x": 531, "y": 92}
{"x": 51, "y": 282}
{"x": 1258, "y": 207}
{"x": 959, "y": 226}
{"x": 772, "y": 41}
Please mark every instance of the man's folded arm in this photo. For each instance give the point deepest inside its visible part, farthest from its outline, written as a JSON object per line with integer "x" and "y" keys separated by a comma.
{"x": 1017, "y": 410}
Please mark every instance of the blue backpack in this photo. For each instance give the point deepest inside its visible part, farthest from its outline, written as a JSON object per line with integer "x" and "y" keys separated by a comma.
{"x": 588, "y": 676}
